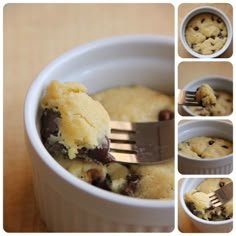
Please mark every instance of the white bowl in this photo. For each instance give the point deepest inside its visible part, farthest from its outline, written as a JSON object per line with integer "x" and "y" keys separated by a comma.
{"x": 217, "y": 82}
{"x": 67, "y": 203}
{"x": 210, "y": 128}
{"x": 224, "y": 226}
{"x": 197, "y": 11}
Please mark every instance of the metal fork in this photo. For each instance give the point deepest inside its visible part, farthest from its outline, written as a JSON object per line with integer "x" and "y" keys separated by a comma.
{"x": 187, "y": 98}
{"x": 144, "y": 143}
{"x": 221, "y": 195}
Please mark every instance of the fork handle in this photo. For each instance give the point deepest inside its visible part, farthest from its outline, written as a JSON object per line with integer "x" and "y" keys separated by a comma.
{"x": 226, "y": 191}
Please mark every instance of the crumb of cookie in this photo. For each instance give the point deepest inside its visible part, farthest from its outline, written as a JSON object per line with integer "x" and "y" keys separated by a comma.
{"x": 81, "y": 122}
{"x": 206, "y": 33}
{"x": 205, "y": 95}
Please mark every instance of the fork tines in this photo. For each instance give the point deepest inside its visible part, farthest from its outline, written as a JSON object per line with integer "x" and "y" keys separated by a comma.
{"x": 188, "y": 98}
{"x": 148, "y": 142}
{"x": 221, "y": 195}
{"x": 215, "y": 201}
{"x": 122, "y": 137}
{"x": 123, "y": 144}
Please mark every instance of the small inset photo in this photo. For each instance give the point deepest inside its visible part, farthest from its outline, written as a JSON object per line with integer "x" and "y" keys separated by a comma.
{"x": 205, "y": 205}
{"x": 205, "y": 30}
{"x": 206, "y": 88}
{"x": 205, "y": 147}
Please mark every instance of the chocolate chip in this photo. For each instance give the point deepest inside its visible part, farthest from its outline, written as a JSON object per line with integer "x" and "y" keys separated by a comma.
{"x": 221, "y": 184}
{"x": 210, "y": 208}
{"x": 220, "y": 35}
{"x": 212, "y": 18}
{"x": 82, "y": 151}
{"x": 228, "y": 100}
{"x": 212, "y": 36}
{"x": 202, "y": 20}
{"x": 224, "y": 146}
{"x": 132, "y": 177}
{"x": 219, "y": 20}
{"x": 191, "y": 206}
{"x": 98, "y": 154}
{"x": 94, "y": 175}
{"x": 212, "y": 44}
{"x": 101, "y": 154}
{"x": 213, "y": 51}
{"x": 49, "y": 123}
{"x": 165, "y": 115}
{"x": 201, "y": 103}
{"x": 132, "y": 182}
{"x": 102, "y": 183}
{"x": 196, "y": 28}
{"x": 179, "y": 149}
{"x": 211, "y": 142}
{"x": 56, "y": 149}
{"x": 207, "y": 38}
{"x": 193, "y": 45}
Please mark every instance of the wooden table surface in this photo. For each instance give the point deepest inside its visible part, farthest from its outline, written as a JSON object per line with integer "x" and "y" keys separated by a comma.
{"x": 34, "y": 34}
{"x": 185, "y": 8}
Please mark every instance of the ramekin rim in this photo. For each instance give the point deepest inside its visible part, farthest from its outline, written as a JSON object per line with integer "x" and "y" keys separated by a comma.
{"x": 190, "y": 214}
{"x": 209, "y": 160}
{"x": 208, "y": 77}
{"x": 46, "y": 157}
{"x": 193, "y": 13}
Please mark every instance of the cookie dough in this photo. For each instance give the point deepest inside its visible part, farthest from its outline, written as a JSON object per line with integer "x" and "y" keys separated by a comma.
{"x": 132, "y": 103}
{"x": 222, "y": 107}
{"x": 199, "y": 204}
{"x": 205, "y": 95}
{"x": 82, "y": 122}
{"x": 205, "y": 147}
{"x": 206, "y": 33}
{"x": 136, "y": 104}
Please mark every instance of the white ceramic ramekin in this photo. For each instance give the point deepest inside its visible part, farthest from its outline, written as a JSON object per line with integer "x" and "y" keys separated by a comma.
{"x": 224, "y": 226}
{"x": 67, "y": 203}
{"x": 217, "y": 82}
{"x": 210, "y": 128}
{"x": 197, "y": 11}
